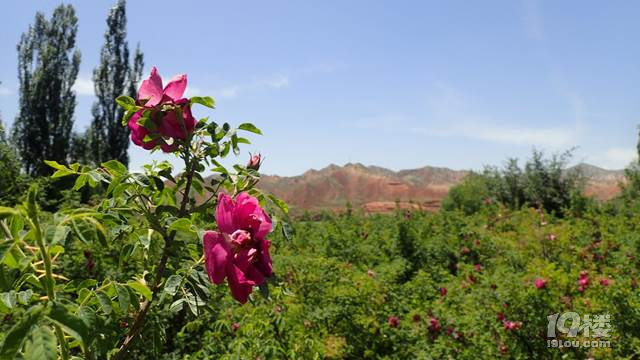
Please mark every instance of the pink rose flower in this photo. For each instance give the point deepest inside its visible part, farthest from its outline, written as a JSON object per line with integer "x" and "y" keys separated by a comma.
{"x": 540, "y": 283}
{"x": 170, "y": 113}
{"x": 239, "y": 251}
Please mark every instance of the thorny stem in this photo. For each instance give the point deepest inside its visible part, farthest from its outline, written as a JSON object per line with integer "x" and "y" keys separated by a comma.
{"x": 136, "y": 328}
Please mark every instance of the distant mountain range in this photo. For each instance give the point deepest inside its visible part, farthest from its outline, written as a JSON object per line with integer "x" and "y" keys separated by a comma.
{"x": 376, "y": 189}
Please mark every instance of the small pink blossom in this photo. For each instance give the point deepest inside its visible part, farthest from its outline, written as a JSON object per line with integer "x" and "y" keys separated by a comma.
{"x": 434, "y": 325}
{"x": 478, "y": 267}
{"x": 540, "y": 283}
{"x": 604, "y": 282}
{"x": 393, "y": 321}
{"x": 371, "y": 273}
{"x": 512, "y": 325}
{"x": 443, "y": 291}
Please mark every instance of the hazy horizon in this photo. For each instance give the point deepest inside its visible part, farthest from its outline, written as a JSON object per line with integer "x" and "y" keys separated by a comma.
{"x": 453, "y": 84}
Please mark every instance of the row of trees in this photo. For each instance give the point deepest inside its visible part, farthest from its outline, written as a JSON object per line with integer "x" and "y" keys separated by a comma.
{"x": 48, "y": 63}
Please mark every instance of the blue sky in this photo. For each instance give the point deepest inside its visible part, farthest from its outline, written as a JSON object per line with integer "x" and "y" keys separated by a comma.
{"x": 395, "y": 84}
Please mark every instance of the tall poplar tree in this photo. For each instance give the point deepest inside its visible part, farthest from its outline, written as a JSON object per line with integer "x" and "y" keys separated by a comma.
{"x": 115, "y": 76}
{"x": 47, "y": 69}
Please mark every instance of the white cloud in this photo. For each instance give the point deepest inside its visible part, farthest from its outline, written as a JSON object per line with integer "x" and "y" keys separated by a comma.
{"x": 555, "y": 137}
{"x": 83, "y": 86}
{"x": 456, "y": 115}
{"x": 276, "y": 82}
{"x": 618, "y": 158}
{"x": 233, "y": 91}
{"x": 229, "y": 92}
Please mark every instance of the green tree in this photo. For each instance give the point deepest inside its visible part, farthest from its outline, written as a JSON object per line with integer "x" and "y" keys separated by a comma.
{"x": 114, "y": 76}
{"x": 12, "y": 182}
{"x": 47, "y": 69}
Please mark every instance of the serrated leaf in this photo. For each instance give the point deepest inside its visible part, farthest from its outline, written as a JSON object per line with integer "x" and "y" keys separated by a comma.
{"x": 43, "y": 344}
{"x": 203, "y": 100}
{"x": 250, "y": 127}
{"x": 81, "y": 181}
{"x": 115, "y": 167}
{"x": 141, "y": 289}
{"x": 8, "y": 299}
{"x": 105, "y": 302}
{"x": 62, "y": 173}
{"x": 71, "y": 323}
{"x": 125, "y": 101}
{"x": 123, "y": 297}
{"x": 181, "y": 224}
{"x": 24, "y": 297}
{"x": 5, "y": 246}
{"x": 14, "y": 338}
{"x": 172, "y": 283}
{"x": 55, "y": 165}
{"x": 177, "y": 305}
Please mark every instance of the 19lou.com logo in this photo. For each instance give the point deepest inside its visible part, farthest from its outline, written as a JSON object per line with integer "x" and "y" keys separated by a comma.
{"x": 596, "y": 327}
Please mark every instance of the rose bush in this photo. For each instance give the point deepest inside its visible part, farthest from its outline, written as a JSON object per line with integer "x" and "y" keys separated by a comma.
{"x": 151, "y": 243}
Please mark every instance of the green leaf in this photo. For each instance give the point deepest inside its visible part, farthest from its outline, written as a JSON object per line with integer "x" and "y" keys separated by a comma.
{"x": 43, "y": 344}
{"x": 60, "y": 234}
{"x": 115, "y": 167}
{"x": 177, "y": 305}
{"x": 8, "y": 299}
{"x": 172, "y": 284}
{"x": 5, "y": 246}
{"x": 14, "y": 338}
{"x": 81, "y": 181}
{"x": 141, "y": 289}
{"x": 126, "y": 101}
{"x": 55, "y": 165}
{"x": 105, "y": 302}
{"x": 123, "y": 297}
{"x": 250, "y": 127}
{"x": 62, "y": 173}
{"x": 181, "y": 224}
{"x": 128, "y": 114}
{"x": 203, "y": 100}
{"x": 24, "y": 297}
{"x": 72, "y": 324}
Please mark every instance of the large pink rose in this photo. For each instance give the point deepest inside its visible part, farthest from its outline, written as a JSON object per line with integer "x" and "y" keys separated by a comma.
{"x": 239, "y": 252}
{"x": 170, "y": 112}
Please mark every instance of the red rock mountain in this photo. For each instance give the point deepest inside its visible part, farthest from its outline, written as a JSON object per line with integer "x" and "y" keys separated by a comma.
{"x": 376, "y": 189}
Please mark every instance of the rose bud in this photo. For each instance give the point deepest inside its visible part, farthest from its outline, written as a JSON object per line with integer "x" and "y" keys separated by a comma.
{"x": 254, "y": 162}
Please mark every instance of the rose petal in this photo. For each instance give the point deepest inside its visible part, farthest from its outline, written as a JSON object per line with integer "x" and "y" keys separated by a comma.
{"x": 176, "y": 86}
{"x": 216, "y": 255}
{"x": 151, "y": 89}
{"x": 224, "y": 214}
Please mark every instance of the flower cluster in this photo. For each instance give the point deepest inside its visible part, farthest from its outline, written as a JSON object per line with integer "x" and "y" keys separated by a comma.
{"x": 239, "y": 251}
{"x": 168, "y": 115}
